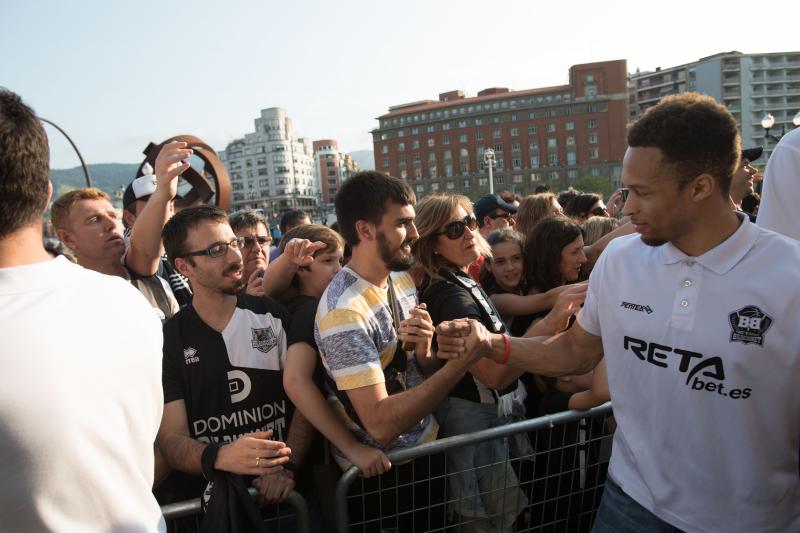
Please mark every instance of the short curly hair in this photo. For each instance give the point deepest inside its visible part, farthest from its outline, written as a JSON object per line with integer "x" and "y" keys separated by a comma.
{"x": 695, "y": 134}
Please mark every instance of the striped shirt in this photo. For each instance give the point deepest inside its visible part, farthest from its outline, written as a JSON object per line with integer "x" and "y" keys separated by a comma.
{"x": 357, "y": 340}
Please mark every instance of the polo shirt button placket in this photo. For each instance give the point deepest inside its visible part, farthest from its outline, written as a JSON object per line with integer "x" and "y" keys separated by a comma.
{"x": 683, "y": 311}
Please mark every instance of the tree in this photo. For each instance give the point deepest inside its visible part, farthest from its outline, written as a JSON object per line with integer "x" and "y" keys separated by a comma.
{"x": 594, "y": 184}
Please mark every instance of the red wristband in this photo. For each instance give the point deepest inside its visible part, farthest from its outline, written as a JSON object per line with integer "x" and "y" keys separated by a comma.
{"x": 507, "y": 351}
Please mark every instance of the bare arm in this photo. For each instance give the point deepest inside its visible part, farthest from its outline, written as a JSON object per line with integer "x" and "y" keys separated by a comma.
{"x": 598, "y": 392}
{"x": 593, "y": 251}
{"x": 145, "y": 242}
{"x": 385, "y": 417}
{"x": 301, "y": 358}
{"x": 573, "y": 352}
{"x": 515, "y": 304}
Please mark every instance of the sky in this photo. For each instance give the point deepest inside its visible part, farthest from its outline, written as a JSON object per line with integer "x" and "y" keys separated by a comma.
{"x": 117, "y": 75}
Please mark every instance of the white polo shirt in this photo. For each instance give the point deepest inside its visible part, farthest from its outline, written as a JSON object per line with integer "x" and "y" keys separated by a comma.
{"x": 780, "y": 195}
{"x": 703, "y": 358}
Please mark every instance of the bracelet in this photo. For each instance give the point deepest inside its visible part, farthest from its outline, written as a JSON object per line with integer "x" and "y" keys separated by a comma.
{"x": 507, "y": 351}
{"x": 207, "y": 460}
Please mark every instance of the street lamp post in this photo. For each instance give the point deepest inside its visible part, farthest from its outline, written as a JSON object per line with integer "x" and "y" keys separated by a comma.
{"x": 488, "y": 158}
{"x": 74, "y": 147}
{"x": 769, "y": 121}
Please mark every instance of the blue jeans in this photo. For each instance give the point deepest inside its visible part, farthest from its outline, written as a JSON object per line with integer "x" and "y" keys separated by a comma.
{"x": 619, "y": 513}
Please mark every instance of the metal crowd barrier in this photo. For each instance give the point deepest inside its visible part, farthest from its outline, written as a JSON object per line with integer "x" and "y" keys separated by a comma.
{"x": 177, "y": 514}
{"x": 561, "y": 479}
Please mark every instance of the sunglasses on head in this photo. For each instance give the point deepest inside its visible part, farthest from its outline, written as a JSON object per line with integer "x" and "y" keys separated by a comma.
{"x": 455, "y": 229}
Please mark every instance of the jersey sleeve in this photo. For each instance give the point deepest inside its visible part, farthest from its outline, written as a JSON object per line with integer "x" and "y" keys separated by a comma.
{"x": 348, "y": 349}
{"x": 302, "y": 326}
{"x": 589, "y": 317}
{"x": 171, "y": 363}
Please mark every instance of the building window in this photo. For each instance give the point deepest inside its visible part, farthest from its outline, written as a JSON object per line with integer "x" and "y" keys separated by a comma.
{"x": 431, "y": 143}
{"x": 385, "y": 162}
{"x": 595, "y": 171}
{"x": 414, "y": 131}
{"x": 591, "y": 123}
{"x": 496, "y": 134}
{"x": 448, "y": 170}
{"x": 384, "y": 136}
{"x": 594, "y": 153}
{"x": 467, "y": 184}
{"x": 534, "y": 161}
{"x": 572, "y": 174}
{"x": 445, "y": 126}
{"x": 403, "y": 174}
{"x": 571, "y": 140}
{"x": 515, "y": 132}
{"x": 384, "y": 149}
{"x": 513, "y": 118}
{"x": 535, "y": 176}
{"x": 462, "y": 138}
{"x": 569, "y": 125}
{"x": 434, "y": 187}
{"x": 464, "y": 167}
{"x": 417, "y": 173}
{"x": 431, "y": 128}
{"x": 478, "y": 121}
{"x": 262, "y": 171}
{"x": 552, "y": 160}
{"x": 478, "y": 135}
{"x": 462, "y": 123}
{"x": 516, "y": 178}
{"x": 499, "y": 179}
{"x": 401, "y": 147}
{"x": 420, "y": 188}
{"x": 433, "y": 170}
{"x": 415, "y": 145}
{"x": 572, "y": 158}
{"x": 448, "y": 154}
{"x": 495, "y": 120}
{"x": 446, "y": 139}
{"x": 554, "y": 176}
{"x": 592, "y": 138}
{"x": 532, "y": 130}
{"x": 417, "y": 158}
{"x": 551, "y": 127}
{"x": 401, "y": 133}
{"x": 450, "y": 185}
{"x": 497, "y": 147}
{"x": 516, "y": 164}
{"x": 432, "y": 156}
{"x": 552, "y": 142}
{"x": 515, "y": 147}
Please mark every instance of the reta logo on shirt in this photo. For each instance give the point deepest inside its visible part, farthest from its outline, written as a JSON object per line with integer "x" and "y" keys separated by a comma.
{"x": 702, "y": 373}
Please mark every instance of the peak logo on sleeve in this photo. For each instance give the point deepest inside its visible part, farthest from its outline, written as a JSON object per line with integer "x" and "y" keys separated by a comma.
{"x": 749, "y": 325}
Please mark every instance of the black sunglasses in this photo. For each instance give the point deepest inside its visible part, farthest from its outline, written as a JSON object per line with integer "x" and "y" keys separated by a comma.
{"x": 455, "y": 229}
{"x": 249, "y": 242}
{"x": 218, "y": 249}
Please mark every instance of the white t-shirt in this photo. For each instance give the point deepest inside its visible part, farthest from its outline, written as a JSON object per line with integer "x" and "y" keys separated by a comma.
{"x": 80, "y": 401}
{"x": 703, "y": 358}
{"x": 780, "y": 195}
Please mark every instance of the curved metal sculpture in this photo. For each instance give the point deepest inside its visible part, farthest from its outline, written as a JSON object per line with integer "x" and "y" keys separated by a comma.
{"x": 213, "y": 182}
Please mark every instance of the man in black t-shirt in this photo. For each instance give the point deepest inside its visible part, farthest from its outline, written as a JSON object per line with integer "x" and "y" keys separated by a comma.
{"x": 223, "y": 358}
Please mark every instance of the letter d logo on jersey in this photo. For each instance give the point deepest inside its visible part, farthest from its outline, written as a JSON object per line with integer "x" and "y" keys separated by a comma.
{"x": 238, "y": 385}
{"x": 749, "y": 324}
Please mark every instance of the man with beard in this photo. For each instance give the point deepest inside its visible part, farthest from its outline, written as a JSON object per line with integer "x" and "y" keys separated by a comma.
{"x": 222, "y": 371}
{"x": 702, "y": 351}
{"x": 374, "y": 341}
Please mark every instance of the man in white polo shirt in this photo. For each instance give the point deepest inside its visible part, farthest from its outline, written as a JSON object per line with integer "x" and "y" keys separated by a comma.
{"x": 699, "y": 320}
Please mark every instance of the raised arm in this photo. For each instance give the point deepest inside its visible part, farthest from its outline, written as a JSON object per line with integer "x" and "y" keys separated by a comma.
{"x": 145, "y": 248}
{"x": 280, "y": 272}
{"x": 573, "y": 352}
{"x": 515, "y": 304}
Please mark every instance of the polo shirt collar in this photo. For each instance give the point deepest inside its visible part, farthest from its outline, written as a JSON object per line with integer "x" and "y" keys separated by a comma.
{"x": 722, "y": 257}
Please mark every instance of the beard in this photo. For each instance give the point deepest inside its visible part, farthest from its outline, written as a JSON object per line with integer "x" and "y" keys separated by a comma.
{"x": 649, "y": 241}
{"x": 236, "y": 286}
{"x": 394, "y": 260}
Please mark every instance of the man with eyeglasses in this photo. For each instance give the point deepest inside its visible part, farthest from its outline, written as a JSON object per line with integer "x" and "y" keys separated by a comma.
{"x": 253, "y": 228}
{"x": 225, "y": 409}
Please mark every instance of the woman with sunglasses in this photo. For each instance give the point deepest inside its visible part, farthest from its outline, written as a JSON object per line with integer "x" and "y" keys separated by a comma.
{"x": 490, "y": 394}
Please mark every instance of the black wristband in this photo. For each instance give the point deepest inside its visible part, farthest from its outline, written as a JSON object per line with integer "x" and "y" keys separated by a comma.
{"x": 207, "y": 460}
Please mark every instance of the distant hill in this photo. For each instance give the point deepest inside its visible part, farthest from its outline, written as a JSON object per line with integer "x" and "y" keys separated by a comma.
{"x": 108, "y": 177}
{"x": 364, "y": 158}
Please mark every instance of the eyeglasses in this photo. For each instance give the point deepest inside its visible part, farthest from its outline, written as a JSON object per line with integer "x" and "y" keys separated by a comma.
{"x": 218, "y": 249}
{"x": 455, "y": 229}
{"x": 249, "y": 242}
{"x": 506, "y": 215}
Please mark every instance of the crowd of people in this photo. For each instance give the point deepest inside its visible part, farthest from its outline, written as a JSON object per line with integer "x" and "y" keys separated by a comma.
{"x": 177, "y": 354}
